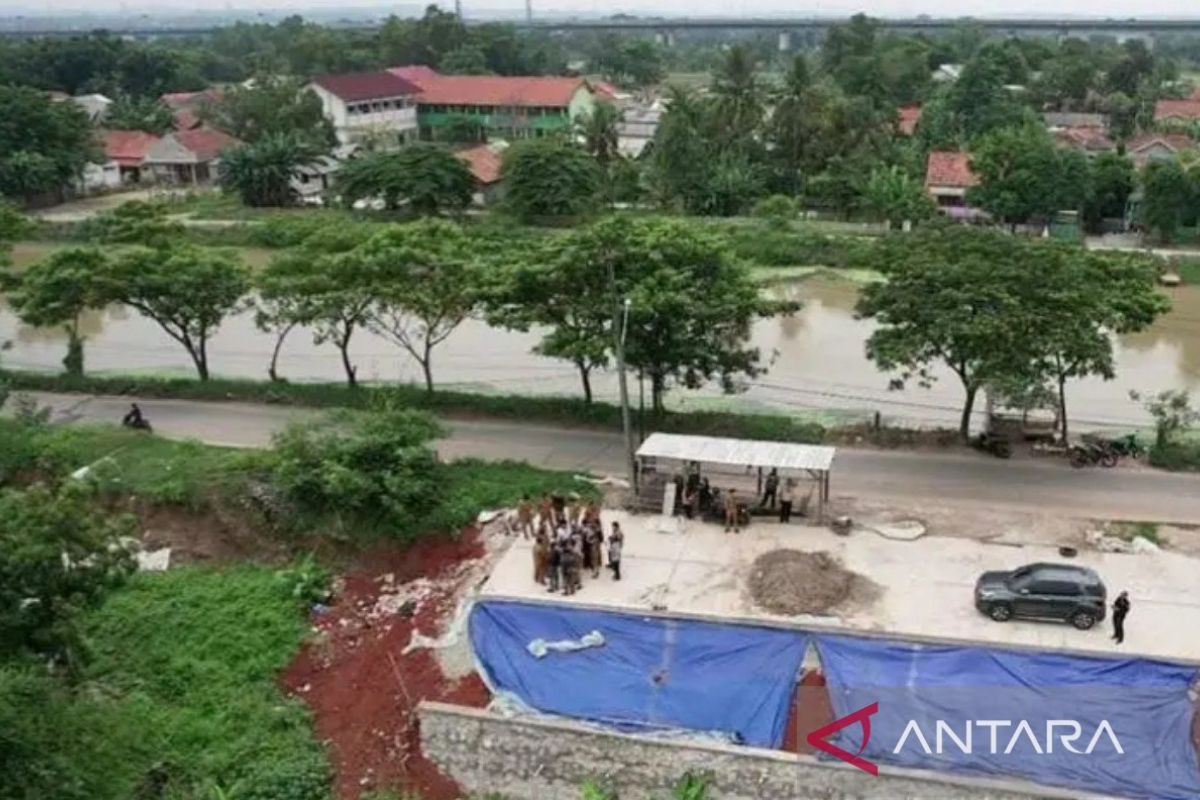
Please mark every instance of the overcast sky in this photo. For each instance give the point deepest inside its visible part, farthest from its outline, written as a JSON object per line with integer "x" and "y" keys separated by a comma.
{"x": 1092, "y": 8}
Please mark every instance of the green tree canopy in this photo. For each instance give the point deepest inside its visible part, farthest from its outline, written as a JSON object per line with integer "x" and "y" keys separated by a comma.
{"x": 147, "y": 114}
{"x": 1112, "y": 181}
{"x": 44, "y": 145}
{"x": 895, "y": 196}
{"x": 261, "y": 174}
{"x": 57, "y": 291}
{"x": 1167, "y": 194}
{"x": 425, "y": 176}
{"x": 271, "y": 106}
{"x": 186, "y": 290}
{"x": 1023, "y": 174}
{"x": 134, "y": 222}
{"x": 550, "y": 177}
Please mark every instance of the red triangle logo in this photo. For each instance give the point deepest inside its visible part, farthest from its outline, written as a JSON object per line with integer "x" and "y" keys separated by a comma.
{"x": 863, "y": 717}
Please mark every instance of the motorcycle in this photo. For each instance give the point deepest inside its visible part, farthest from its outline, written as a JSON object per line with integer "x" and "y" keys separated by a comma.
{"x": 138, "y": 424}
{"x": 1127, "y": 446}
{"x": 999, "y": 446}
{"x": 1088, "y": 454}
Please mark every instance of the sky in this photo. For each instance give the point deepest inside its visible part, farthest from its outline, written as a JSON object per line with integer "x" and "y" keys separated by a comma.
{"x": 947, "y": 8}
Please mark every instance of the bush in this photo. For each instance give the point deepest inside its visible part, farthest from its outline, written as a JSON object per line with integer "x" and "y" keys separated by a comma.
{"x": 1178, "y": 456}
{"x": 786, "y": 248}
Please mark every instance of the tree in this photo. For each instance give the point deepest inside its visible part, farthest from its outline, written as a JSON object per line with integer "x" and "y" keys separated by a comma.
{"x": 465, "y": 60}
{"x": 738, "y": 99}
{"x": 1023, "y": 174}
{"x": 598, "y": 132}
{"x": 57, "y": 291}
{"x": 681, "y": 151}
{"x": 261, "y": 174}
{"x": 315, "y": 285}
{"x": 425, "y": 176}
{"x": 950, "y": 298}
{"x": 627, "y": 61}
{"x": 550, "y": 178}
{"x": 61, "y": 554}
{"x": 134, "y": 222}
{"x": 424, "y": 280}
{"x": 1167, "y": 193}
{"x": 896, "y": 197}
{"x": 186, "y": 290}
{"x": 269, "y": 107}
{"x": 44, "y": 145}
{"x": 691, "y": 307}
{"x": 147, "y": 114}
{"x": 13, "y": 225}
{"x": 1112, "y": 181}
{"x": 1173, "y": 413}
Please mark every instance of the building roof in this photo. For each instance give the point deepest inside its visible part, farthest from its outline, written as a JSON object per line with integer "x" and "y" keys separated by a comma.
{"x": 909, "y": 117}
{"x": 737, "y": 452}
{"x": 1084, "y": 138}
{"x": 1172, "y": 141}
{"x": 127, "y": 148}
{"x": 357, "y": 86}
{"x": 1177, "y": 109}
{"x": 950, "y": 169}
{"x": 1072, "y": 119}
{"x": 484, "y": 162}
{"x": 417, "y": 74}
{"x": 493, "y": 90}
{"x": 178, "y": 100}
{"x": 204, "y": 144}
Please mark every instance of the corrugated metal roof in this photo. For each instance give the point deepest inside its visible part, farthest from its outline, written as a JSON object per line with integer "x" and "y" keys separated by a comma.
{"x": 740, "y": 452}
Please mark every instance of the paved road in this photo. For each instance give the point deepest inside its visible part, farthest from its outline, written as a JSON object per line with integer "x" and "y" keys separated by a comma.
{"x": 946, "y": 478}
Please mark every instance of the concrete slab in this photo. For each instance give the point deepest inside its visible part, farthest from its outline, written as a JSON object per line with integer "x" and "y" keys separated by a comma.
{"x": 925, "y": 585}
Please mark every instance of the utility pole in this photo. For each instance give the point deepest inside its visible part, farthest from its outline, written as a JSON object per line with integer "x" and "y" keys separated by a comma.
{"x": 529, "y": 12}
{"x": 458, "y": 9}
{"x": 620, "y": 329}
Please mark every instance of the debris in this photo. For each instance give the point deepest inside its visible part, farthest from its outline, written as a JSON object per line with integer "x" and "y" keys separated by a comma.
{"x": 793, "y": 582}
{"x": 1107, "y": 543}
{"x": 842, "y": 525}
{"x": 540, "y": 648}
{"x": 607, "y": 480}
{"x": 904, "y": 530}
{"x": 153, "y": 560}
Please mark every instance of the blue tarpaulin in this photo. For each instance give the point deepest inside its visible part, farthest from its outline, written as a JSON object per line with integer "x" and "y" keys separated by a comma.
{"x": 1145, "y": 704}
{"x": 651, "y": 673}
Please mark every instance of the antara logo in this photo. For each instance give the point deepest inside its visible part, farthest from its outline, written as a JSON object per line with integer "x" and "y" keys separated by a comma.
{"x": 1063, "y": 733}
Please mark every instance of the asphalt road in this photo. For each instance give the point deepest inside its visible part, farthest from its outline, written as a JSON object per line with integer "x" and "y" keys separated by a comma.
{"x": 1051, "y": 485}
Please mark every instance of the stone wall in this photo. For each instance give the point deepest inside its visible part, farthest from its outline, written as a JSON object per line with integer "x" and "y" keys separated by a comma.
{"x": 548, "y": 760}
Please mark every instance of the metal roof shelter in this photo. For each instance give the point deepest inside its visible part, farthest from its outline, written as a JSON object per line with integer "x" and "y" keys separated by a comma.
{"x": 814, "y": 460}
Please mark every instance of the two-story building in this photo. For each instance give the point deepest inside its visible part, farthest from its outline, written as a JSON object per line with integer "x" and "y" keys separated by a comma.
{"x": 376, "y": 109}
{"x": 496, "y": 106}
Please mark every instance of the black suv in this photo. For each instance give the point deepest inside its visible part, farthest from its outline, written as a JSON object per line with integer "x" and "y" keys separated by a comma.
{"x": 1043, "y": 591}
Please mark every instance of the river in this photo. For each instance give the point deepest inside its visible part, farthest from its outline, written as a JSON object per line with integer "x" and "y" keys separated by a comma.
{"x": 816, "y": 361}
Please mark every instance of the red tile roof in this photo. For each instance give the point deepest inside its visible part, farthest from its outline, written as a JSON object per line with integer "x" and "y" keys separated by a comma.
{"x": 1177, "y": 109}
{"x": 950, "y": 169}
{"x": 417, "y": 74}
{"x": 185, "y": 119}
{"x": 484, "y": 163}
{"x": 358, "y": 86}
{"x": 1174, "y": 141}
{"x": 1084, "y": 137}
{"x": 206, "y": 143}
{"x": 490, "y": 90}
{"x": 127, "y": 148}
{"x": 909, "y": 117}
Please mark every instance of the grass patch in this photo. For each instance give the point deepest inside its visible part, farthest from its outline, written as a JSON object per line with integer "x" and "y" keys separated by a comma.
{"x": 554, "y": 410}
{"x": 1138, "y": 530}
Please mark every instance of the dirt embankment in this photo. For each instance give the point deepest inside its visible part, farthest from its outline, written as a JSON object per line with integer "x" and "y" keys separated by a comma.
{"x": 363, "y": 688}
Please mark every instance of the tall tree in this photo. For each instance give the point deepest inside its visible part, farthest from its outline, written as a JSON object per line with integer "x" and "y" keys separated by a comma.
{"x": 681, "y": 151}
{"x": 550, "y": 177}
{"x": 950, "y": 298}
{"x": 1167, "y": 193}
{"x": 738, "y": 99}
{"x": 598, "y": 131}
{"x": 425, "y": 281}
{"x": 57, "y": 291}
{"x": 1112, "y": 182}
{"x": 271, "y": 106}
{"x": 896, "y": 197}
{"x": 44, "y": 145}
{"x": 317, "y": 285}
{"x": 186, "y": 290}
{"x": 1023, "y": 174}
{"x": 426, "y": 177}
{"x": 262, "y": 173}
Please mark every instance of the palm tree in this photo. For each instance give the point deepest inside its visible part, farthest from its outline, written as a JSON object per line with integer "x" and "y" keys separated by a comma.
{"x": 598, "y": 132}
{"x": 739, "y": 97}
{"x": 261, "y": 173}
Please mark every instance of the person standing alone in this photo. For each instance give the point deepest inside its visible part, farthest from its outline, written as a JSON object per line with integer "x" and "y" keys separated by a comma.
{"x": 787, "y": 496}
{"x": 1120, "y": 611}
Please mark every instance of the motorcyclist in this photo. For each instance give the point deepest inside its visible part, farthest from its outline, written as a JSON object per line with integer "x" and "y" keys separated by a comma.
{"x": 134, "y": 418}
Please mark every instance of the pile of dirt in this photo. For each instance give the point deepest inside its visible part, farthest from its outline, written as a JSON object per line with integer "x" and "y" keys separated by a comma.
{"x": 362, "y": 680}
{"x": 793, "y": 582}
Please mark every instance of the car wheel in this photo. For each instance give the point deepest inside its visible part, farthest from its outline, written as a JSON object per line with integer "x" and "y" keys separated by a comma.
{"x": 1000, "y": 612}
{"x": 1083, "y": 620}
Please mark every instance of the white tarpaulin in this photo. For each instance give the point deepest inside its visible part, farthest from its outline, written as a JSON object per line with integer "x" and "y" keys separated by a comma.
{"x": 738, "y": 452}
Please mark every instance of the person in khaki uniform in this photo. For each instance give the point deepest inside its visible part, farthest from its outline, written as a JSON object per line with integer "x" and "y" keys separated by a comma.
{"x": 731, "y": 512}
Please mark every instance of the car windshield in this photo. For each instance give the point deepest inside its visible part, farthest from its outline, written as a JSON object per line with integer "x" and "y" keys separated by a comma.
{"x": 1019, "y": 578}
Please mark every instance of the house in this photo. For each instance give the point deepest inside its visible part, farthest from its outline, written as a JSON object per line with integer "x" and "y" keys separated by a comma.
{"x": 377, "y": 108}
{"x": 1157, "y": 147}
{"x": 501, "y": 106}
{"x": 1088, "y": 140}
{"x": 907, "y": 119}
{"x": 637, "y": 128}
{"x": 313, "y": 180}
{"x": 1177, "y": 111}
{"x": 948, "y": 176}
{"x": 124, "y": 154}
{"x": 189, "y": 157}
{"x": 1061, "y": 120}
{"x": 186, "y": 107}
{"x": 484, "y": 161}
{"x": 94, "y": 105}
{"x": 947, "y": 73}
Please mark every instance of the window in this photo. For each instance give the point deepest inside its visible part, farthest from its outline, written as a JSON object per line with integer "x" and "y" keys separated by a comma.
{"x": 1060, "y": 588}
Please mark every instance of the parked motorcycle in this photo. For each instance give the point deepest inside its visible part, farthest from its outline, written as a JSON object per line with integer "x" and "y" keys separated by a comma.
{"x": 1087, "y": 454}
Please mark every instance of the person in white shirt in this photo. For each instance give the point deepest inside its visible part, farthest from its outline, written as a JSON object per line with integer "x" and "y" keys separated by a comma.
{"x": 787, "y": 494}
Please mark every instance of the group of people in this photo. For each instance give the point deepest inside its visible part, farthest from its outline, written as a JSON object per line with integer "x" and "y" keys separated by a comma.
{"x": 568, "y": 541}
{"x": 696, "y": 497}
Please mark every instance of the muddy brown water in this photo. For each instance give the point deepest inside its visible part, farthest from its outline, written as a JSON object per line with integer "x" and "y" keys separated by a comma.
{"x": 816, "y": 360}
